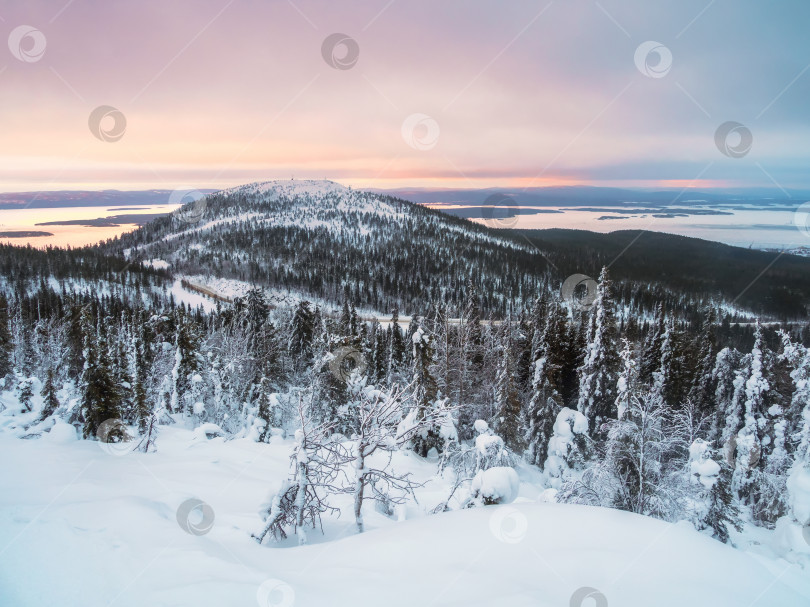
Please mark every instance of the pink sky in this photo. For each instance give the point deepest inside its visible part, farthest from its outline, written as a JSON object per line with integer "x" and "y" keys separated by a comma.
{"x": 219, "y": 92}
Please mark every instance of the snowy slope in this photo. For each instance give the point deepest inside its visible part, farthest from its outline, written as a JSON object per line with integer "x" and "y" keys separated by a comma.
{"x": 79, "y": 526}
{"x": 317, "y": 237}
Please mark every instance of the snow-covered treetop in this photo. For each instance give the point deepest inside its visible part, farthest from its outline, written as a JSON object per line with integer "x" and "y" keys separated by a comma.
{"x": 289, "y": 187}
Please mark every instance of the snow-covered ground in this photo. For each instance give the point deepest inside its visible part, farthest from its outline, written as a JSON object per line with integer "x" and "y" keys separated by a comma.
{"x": 81, "y": 526}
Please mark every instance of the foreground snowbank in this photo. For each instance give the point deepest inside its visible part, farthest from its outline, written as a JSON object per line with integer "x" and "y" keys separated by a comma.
{"x": 79, "y": 526}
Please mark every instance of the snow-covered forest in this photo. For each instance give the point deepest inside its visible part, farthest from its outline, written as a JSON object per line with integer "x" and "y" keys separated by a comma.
{"x": 404, "y": 304}
{"x": 653, "y": 417}
{"x": 685, "y": 410}
{"x": 485, "y": 394}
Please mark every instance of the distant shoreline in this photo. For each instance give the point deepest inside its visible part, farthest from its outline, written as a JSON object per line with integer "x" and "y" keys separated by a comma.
{"x": 25, "y": 234}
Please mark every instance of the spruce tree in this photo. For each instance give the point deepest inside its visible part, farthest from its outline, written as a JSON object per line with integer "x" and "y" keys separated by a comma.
{"x": 547, "y": 377}
{"x": 345, "y": 322}
{"x": 266, "y": 410}
{"x": 143, "y": 412}
{"x": 722, "y": 511}
{"x": 627, "y": 384}
{"x": 396, "y": 357}
{"x": 703, "y": 386}
{"x": 50, "y": 402}
{"x": 6, "y": 342}
{"x": 25, "y": 392}
{"x": 599, "y": 371}
{"x": 651, "y": 357}
{"x": 302, "y": 334}
{"x": 508, "y": 415}
{"x": 425, "y": 392}
{"x": 759, "y": 440}
{"x": 101, "y": 399}
{"x": 186, "y": 364}
{"x": 727, "y": 418}
{"x": 798, "y": 416}
{"x": 543, "y": 408}
{"x": 381, "y": 352}
{"x": 663, "y": 376}
{"x": 538, "y": 323}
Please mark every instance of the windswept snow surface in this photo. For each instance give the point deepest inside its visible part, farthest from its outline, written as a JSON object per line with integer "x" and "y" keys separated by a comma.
{"x": 83, "y": 527}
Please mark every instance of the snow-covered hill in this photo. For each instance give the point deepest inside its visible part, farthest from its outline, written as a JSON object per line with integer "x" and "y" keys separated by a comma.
{"x": 316, "y": 240}
{"x": 319, "y": 238}
{"x": 79, "y": 526}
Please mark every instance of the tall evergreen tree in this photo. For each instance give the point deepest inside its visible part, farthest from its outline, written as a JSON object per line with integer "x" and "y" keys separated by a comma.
{"x": 186, "y": 364}
{"x": 381, "y": 353}
{"x": 599, "y": 372}
{"x": 703, "y": 386}
{"x": 101, "y": 398}
{"x": 143, "y": 411}
{"x": 25, "y": 392}
{"x": 798, "y": 416}
{"x": 302, "y": 334}
{"x": 722, "y": 512}
{"x": 508, "y": 422}
{"x": 396, "y": 357}
{"x": 425, "y": 392}
{"x": 761, "y": 460}
{"x": 6, "y": 342}
{"x": 546, "y": 401}
{"x": 727, "y": 415}
{"x": 663, "y": 377}
{"x": 628, "y": 383}
{"x": 50, "y": 402}
{"x": 651, "y": 357}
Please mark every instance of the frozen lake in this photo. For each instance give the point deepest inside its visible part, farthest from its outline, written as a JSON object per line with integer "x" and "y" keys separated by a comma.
{"x": 756, "y": 228}
{"x": 76, "y": 234}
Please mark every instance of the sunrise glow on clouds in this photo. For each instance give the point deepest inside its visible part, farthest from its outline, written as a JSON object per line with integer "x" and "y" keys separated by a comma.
{"x": 217, "y": 93}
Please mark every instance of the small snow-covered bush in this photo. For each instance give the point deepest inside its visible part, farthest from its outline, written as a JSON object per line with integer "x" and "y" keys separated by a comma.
{"x": 497, "y": 485}
{"x": 568, "y": 448}
{"x": 798, "y": 485}
{"x": 208, "y": 431}
{"x": 488, "y": 451}
{"x": 703, "y": 469}
{"x": 61, "y": 433}
{"x": 712, "y": 506}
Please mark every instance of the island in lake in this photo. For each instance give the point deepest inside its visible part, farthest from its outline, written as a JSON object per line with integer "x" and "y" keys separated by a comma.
{"x": 25, "y": 234}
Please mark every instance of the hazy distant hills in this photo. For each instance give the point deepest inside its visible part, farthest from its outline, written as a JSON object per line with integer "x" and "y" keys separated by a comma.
{"x": 587, "y": 196}
{"x": 573, "y": 196}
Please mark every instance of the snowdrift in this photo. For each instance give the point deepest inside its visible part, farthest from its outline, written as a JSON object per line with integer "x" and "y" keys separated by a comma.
{"x": 79, "y": 526}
